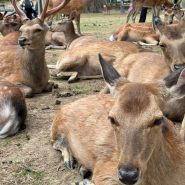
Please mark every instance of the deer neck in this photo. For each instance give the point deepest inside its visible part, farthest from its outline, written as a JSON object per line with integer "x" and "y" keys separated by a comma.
{"x": 167, "y": 163}
{"x": 70, "y": 35}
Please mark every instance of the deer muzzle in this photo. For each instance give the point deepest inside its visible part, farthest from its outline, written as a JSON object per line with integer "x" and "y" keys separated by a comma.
{"x": 21, "y": 41}
{"x": 128, "y": 174}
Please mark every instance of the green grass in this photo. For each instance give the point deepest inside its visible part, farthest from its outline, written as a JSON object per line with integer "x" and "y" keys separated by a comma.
{"x": 5, "y": 144}
{"x": 26, "y": 171}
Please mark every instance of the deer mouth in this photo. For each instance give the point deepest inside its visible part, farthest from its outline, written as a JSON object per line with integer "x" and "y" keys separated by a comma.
{"x": 24, "y": 45}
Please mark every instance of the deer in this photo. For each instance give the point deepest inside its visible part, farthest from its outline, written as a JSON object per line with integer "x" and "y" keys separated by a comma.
{"x": 107, "y": 7}
{"x": 66, "y": 26}
{"x": 127, "y": 139}
{"x": 82, "y": 61}
{"x": 143, "y": 32}
{"x": 138, "y": 4}
{"x": 24, "y": 64}
{"x": 79, "y": 6}
{"x": 13, "y": 109}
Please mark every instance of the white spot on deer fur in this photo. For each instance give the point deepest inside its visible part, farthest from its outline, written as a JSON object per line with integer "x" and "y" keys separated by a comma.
{"x": 111, "y": 38}
{"x": 8, "y": 115}
{"x": 5, "y": 87}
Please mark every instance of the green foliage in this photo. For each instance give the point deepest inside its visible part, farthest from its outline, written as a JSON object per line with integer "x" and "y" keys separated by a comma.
{"x": 26, "y": 171}
{"x": 5, "y": 144}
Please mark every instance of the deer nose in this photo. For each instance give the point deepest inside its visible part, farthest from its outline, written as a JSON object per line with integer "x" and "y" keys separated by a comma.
{"x": 176, "y": 67}
{"x": 21, "y": 41}
{"x": 128, "y": 174}
{"x": 170, "y": 22}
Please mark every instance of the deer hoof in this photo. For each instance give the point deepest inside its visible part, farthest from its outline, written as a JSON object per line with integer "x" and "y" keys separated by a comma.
{"x": 83, "y": 173}
{"x": 84, "y": 182}
{"x": 69, "y": 164}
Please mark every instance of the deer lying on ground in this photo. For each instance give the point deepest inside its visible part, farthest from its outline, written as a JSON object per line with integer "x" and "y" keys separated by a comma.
{"x": 82, "y": 61}
{"x": 155, "y": 4}
{"x": 79, "y": 6}
{"x": 66, "y": 26}
{"x": 125, "y": 139}
{"x": 12, "y": 109}
{"x": 143, "y": 31}
{"x": 25, "y": 65}
{"x": 107, "y": 7}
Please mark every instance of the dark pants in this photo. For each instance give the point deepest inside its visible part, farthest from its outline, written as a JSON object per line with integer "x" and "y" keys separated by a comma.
{"x": 29, "y": 12}
{"x": 143, "y": 14}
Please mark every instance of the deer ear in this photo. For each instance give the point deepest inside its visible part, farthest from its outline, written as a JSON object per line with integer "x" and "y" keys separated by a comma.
{"x": 175, "y": 83}
{"x": 182, "y": 23}
{"x": 158, "y": 24}
{"x": 73, "y": 15}
{"x": 110, "y": 75}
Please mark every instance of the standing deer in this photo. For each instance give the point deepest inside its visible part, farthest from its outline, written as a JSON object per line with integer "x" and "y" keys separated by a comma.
{"x": 79, "y": 6}
{"x": 82, "y": 61}
{"x": 66, "y": 26}
{"x": 107, "y": 7}
{"x": 125, "y": 139}
{"x": 12, "y": 109}
{"x": 25, "y": 65}
{"x": 138, "y": 4}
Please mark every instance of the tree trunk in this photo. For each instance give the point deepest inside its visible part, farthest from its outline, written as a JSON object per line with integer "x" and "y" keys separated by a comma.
{"x": 95, "y": 7}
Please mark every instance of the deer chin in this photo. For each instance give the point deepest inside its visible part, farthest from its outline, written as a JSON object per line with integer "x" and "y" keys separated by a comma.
{"x": 25, "y": 46}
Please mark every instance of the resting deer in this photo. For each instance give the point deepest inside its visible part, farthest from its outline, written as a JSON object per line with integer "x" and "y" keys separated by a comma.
{"x": 25, "y": 65}
{"x": 124, "y": 139}
{"x": 143, "y": 31}
{"x": 66, "y": 26}
{"x": 82, "y": 61}
{"x": 79, "y": 6}
{"x": 138, "y": 4}
{"x": 107, "y": 7}
{"x": 12, "y": 109}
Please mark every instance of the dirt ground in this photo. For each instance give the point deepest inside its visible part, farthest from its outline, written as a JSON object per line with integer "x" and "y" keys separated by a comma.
{"x": 28, "y": 158}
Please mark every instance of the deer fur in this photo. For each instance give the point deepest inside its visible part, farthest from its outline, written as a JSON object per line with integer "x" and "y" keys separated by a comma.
{"x": 24, "y": 64}
{"x": 143, "y": 32}
{"x": 138, "y": 4}
{"x": 66, "y": 26}
{"x": 12, "y": 109}
{"x": 79, "y": 6}
{"x": 124, "y": 139}
{"x": 82, "y": 61}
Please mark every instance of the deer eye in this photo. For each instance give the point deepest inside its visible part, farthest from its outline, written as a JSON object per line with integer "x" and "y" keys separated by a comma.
{"x": 157, "y": 122}
{"x": 112, "y": 120}
{"x": 38, "y": 30}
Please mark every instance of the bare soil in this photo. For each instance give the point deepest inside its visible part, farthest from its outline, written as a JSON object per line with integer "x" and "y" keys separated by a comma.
{"x": 28, "y": 158}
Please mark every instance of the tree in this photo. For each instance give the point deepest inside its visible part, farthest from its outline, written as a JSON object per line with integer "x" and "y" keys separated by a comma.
{"x": 96, "y": 6}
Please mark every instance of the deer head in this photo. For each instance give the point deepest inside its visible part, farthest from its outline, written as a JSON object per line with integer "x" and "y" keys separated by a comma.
{"x": 137, "y": 118}
{"x": 65, "y": 24}
{"x": 32, "y": 33}
{"x": 168, "y": 15}
{"x": 177, "y": 12}
{"x": 171, "y": 42}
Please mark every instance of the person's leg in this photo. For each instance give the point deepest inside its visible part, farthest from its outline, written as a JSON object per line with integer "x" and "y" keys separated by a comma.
{"x": 143, "y": 14}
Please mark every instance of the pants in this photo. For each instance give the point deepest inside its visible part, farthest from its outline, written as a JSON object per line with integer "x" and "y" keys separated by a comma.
{"x": 143, "y": 14}
{"x": 29, "y": 12}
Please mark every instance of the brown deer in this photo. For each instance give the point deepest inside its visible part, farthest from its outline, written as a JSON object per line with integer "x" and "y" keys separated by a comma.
{"x": 82, "y": 61}
{"x": 125, "y": 139}
{"x": 138, "y": 4}
{"x": 12, "y": 109}
{"x": 107, "y": 7}
{"x": 143, "y": 31}
{"x": 79, "y": 6}
{"x": 24, "y": 64}
{"x": 66, "y": 26}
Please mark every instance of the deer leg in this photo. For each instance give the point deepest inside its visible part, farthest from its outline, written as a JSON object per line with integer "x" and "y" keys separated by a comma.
{"x": 77, "y": 20}
{"x": 62, "y": 145}
{"x": 105, "y": 90}
{"x": 83, "y": 171}
{"x": 55, "y": 47}
{"x": 151, "y": 40}
{"x": 27, "y": 91}
{"x": 129, "y": 15}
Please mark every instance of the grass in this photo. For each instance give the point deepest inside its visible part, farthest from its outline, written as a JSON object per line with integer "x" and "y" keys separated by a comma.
{"x": 26, "y": 171}
{"x": 5, "y": 144}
